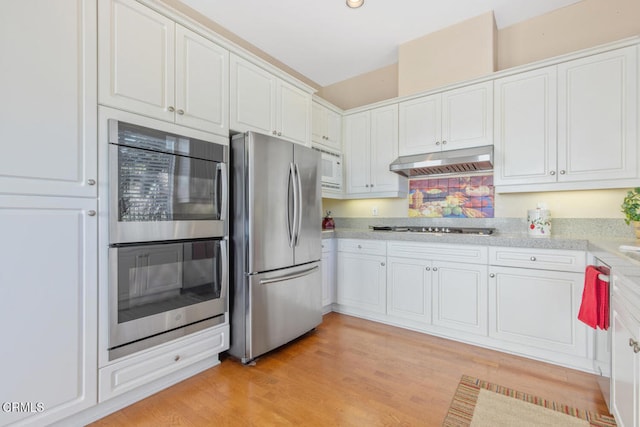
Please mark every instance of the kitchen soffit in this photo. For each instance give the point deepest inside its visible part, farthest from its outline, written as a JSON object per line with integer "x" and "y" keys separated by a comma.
{"x": 328, "y": 42}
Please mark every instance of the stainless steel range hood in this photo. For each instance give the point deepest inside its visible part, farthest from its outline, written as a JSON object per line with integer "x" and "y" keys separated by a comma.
{"x": 462, "y": 161}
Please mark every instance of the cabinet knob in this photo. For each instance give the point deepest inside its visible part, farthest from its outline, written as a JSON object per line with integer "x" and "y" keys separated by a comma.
{"x": 532, "y": 258}
{"x": 552, "y": 173}
{"x": 366, "y": 185}
{"x": 171, "y": 109}
{"x": 437, "y": 142}
{"x": 91, "y": 181}
{"x": 633, "y": 343}
{"x": 492, "y": 275}
{"x": 279, "y": 133}
{"x": 274, "y": 132}
{"x": 562, "y": 172}
{"x": 444, "y": 142}
{"x": 177, "y": 357}
{"x": 371, "y": 185}
{"x": 435, "y": 268}
{"x": 428, "y": 268}
{"x": 382, "y": 264}
{"x": 359, "y": 246}
{"x": 181, "y": 112}
{"x": 91, "y": 213}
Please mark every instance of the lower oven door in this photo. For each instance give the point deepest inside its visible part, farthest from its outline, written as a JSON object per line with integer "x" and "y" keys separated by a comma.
{"x": 155, "y": 288}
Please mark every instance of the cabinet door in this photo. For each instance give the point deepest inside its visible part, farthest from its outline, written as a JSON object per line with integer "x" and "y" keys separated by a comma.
{"x": 420, "y": 125}
{"x": 318, "y": 123}
{"x": 362, "y": 281}
{"x": 597, "y": 116}
{"x": 48, "y": 304}
{"x": 328, "y": 272}
{"x": 48, "y": 87}
{"x": 409, "y": 289}
{"x": 460, "y": 296}
{"x": 467, "y": 117}
{"x": 537, "y": 308}
{"x": 202, "y": 88}
{"x": 624, "y": 367}
{"x": 384, "y": 149}
{"x": 293, "y": 114}
{"x": 334, "y": 130}
{"x": 357, "y": 152}
{"x": 136, "y": 59}
{"x": 252, "y": 97}
{"x": 525, "y": 143}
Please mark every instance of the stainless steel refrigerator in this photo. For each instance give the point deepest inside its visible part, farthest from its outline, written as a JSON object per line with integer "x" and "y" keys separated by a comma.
{"x": 276, "y": 284}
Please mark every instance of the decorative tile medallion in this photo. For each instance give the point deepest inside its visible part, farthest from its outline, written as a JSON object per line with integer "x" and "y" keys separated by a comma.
{"x": 452, "y": 197}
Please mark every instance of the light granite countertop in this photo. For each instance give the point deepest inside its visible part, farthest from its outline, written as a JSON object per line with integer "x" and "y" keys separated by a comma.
{"x": 497, "y": 239}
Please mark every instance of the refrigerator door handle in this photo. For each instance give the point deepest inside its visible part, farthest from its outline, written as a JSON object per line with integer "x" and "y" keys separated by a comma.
{"x": 299, "y": 196}
{"x": 292, "y": 224}
{"x": 293, "y": 169}
{"x": 289, "y": 276}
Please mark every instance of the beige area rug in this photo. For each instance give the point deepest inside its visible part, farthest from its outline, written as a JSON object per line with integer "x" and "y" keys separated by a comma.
{"x": 478, "y": 403}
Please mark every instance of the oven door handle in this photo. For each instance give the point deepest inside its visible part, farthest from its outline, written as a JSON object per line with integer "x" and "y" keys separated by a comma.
{"x": 223, "y": 196}
{"x": 224, "y": 271}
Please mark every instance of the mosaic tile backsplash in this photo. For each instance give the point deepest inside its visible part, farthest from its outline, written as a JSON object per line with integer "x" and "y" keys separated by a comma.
{"x": 453, "y": 197}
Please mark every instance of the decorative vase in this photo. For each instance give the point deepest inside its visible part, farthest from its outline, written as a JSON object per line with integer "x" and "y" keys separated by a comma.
{"x": 636, "y": 228}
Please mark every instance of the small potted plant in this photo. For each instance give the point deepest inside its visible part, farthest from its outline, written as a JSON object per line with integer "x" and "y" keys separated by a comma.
{"x": 631, "y": 209}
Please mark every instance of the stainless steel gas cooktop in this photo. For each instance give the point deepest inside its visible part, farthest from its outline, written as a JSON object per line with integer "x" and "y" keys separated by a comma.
{"x": 431, "y": 229}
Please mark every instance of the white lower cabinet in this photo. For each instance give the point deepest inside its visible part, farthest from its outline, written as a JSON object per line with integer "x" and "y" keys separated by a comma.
{"x": 362, "y": 275}
{"x": 409, "y": 289}
{"x": 328, "y": 273}
{"x": 48, "y": 306}
{"x": 460, "y": 296}
{"x": 537, "y": 308}
{"x": 534, "y": 299}
{"x": 144, "y": 367}
{"x": 625, "y": 353}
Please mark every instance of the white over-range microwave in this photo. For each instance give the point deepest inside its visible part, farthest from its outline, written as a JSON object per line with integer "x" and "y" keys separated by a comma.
{"x": 331, "y": 168}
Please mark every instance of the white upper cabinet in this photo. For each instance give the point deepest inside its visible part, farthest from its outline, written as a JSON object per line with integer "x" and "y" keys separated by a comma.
{"x": 48, "y": 87}
{"x": 568, "y": 126}
{"x": 459, "y": 118}
{"x": 327, "y": 127}
{"x": 525, "y": 144}
{"x": 262, "y": 102}
{"x": 152, "y": 66}
{"x": 371, "y": 141}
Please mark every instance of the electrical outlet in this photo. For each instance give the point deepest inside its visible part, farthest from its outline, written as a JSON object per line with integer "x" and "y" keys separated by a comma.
{"x": 374, "y": 211}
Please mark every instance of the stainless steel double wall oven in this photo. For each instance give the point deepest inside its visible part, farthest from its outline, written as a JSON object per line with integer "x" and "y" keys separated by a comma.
{"x": 168, "y": 244}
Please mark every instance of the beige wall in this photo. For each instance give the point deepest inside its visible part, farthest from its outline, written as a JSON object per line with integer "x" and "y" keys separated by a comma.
{"x": 562, "y": 204}
{"x": 457, "y": 53}
{"x": 364, "y": 89}
{"x": 579, "y": 26}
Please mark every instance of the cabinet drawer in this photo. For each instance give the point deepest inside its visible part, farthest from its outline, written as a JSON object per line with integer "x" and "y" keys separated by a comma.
{"x": 142, "y": 369}
{"x": 463, "y": 253}
{"x": 543, "y": 259}
{"x": 371, "y": 247}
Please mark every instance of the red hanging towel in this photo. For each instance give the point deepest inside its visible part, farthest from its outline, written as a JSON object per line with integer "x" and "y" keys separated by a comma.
{"x": 594, "y": 310}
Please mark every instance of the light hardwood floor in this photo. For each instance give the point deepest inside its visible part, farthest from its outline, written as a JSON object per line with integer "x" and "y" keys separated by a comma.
{"x": 351, "y": 372}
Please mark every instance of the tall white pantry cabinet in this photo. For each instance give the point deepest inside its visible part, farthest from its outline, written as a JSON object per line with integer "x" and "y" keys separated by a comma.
{"x": 48, "y": 203}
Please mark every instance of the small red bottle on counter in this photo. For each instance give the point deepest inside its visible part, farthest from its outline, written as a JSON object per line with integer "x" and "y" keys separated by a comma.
{"x": 327, "y": 222}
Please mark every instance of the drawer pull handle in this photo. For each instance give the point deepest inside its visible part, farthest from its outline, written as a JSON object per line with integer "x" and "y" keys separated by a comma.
{"x": 176, "y": 358}
{"x": 532, "y": 258}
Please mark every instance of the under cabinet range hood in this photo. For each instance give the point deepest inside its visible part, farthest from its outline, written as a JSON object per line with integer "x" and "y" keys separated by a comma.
{"x": 461, "y": 161}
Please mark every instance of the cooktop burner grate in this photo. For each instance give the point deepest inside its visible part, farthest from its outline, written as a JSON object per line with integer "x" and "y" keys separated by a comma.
{"x": 432, "y": 229}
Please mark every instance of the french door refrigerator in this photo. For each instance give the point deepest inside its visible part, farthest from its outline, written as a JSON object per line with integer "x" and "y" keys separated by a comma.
{"x": 276, "y": 287}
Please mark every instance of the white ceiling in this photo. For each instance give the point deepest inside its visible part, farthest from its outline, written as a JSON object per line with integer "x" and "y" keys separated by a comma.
{"x": 327, "y": 42}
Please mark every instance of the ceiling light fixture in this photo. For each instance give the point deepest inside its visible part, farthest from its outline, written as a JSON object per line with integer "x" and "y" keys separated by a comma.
{"x": 353, "y": 4}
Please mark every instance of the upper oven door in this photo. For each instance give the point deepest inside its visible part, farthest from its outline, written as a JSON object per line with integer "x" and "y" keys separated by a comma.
{"x": 165, "y": 186}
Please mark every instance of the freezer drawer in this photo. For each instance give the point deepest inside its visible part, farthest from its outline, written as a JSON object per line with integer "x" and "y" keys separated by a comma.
{"x": 284, "y": 305}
